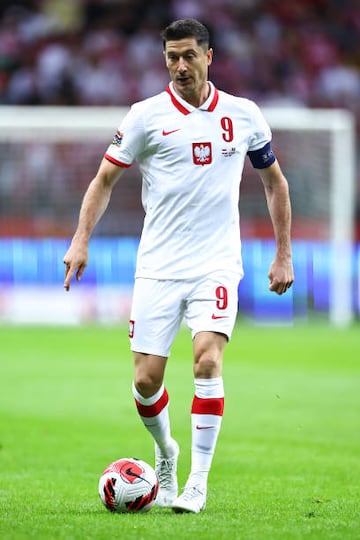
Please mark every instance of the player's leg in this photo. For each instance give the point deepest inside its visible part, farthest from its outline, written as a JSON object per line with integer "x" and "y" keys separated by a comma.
{"x": 151, "y": 397}
{"x": 206, "y": 417}
{"x": 152, "y": 402}
{"x": 154, "y": 323}
{"x": 211, "y": 316}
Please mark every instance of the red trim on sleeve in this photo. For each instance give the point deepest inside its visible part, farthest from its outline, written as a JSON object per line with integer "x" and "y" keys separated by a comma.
{"x": 149, "y": 411}
{"x": 208, "y": 406}
{"x": 116, "y": 162}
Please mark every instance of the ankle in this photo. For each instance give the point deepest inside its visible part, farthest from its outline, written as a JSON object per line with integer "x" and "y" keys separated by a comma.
{"x": 167, "y": 449}
{"x": 198, "y": 478}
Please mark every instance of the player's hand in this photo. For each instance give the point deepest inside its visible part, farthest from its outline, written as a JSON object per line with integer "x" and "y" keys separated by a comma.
{"x": 75, "y": 261}
{"x": 281, "y": 275}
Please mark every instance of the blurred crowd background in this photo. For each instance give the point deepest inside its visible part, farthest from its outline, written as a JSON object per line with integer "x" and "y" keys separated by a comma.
{"x": 109, "y": 52}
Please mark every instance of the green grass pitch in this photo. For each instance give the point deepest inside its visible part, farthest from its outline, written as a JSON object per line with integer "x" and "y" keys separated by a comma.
{"x": 287, "y": 464}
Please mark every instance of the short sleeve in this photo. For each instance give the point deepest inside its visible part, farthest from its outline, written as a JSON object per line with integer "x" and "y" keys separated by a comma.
{"x": 260, "y": 133}
{"x": 128, "y": 142}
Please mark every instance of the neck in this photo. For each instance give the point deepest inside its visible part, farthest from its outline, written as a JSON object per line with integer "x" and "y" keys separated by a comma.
{"x": 196, "y": 97}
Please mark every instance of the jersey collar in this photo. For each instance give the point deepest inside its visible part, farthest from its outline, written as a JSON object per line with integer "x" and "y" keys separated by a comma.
{"x": 185, "y": 107}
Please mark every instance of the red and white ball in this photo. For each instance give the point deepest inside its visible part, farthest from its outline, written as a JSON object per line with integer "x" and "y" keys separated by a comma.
{"x": 128, "y": 485}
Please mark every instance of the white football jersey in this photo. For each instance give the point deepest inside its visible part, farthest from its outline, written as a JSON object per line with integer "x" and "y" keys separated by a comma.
{"x": 191, "y": 160}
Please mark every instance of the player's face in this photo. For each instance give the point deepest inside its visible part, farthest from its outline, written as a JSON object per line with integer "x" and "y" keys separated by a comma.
{"x": 188, "y": 64}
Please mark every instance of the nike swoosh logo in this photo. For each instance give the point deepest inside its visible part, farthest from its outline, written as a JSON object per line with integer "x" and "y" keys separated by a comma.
{"x": 205, "y": 427}
{"x": 130, "y": 472}
{"x": 215, "y": 317}
{"x": 169, "y": 132}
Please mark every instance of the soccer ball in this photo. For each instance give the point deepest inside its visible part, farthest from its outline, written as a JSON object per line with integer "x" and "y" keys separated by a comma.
{"x": 128, "y": 485}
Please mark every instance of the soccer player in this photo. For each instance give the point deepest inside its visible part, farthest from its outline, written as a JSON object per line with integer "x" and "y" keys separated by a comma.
{"x": 190, "y": 141}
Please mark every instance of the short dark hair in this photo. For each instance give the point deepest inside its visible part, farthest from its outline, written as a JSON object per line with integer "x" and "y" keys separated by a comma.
{"x": 185, "y": 28}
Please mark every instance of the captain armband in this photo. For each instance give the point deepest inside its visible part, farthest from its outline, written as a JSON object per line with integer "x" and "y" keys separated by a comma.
{"x": 262, "y": 158}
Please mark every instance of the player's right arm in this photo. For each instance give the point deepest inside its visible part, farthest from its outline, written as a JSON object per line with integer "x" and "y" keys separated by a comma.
{"x": 94, "y": 204}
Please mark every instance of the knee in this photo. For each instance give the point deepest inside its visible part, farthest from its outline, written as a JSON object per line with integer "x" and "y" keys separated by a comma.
{"x": 208, "y": 353}
{"x": 207, "y": 365}
{"x": 147, "y": 384}
{"x": 147, "y": 381}
{"x": 148, "y": 373}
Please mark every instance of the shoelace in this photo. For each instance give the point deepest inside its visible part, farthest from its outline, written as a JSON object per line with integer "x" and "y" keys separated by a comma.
{"x": 191, "y": 493}
{"x": 164, "y": 471}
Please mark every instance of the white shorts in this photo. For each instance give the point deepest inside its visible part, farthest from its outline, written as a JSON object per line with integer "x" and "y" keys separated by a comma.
{"x": 208, "y": 303}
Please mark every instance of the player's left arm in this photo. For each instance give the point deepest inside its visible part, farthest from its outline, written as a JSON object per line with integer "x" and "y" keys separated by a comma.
{"x": 281, "y": 273}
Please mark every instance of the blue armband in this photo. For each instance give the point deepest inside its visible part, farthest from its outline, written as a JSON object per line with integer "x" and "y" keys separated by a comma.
{"x": 262, "y": 158}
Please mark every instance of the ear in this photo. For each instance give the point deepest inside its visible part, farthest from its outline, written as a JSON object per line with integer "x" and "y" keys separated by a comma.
{"x": 164, "y": 55}
{"x": 210, "y": 54}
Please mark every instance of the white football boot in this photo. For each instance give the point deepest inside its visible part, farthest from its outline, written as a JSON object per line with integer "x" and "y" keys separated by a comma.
{"x": 192, "y": 499}
{"x": 166, "y": 472}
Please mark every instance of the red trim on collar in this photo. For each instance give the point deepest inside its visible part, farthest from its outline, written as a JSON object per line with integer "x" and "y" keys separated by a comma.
{"x": 184, "y": 110}
{"x": 214, "y": 100}
{"x": 177, "y": 103}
